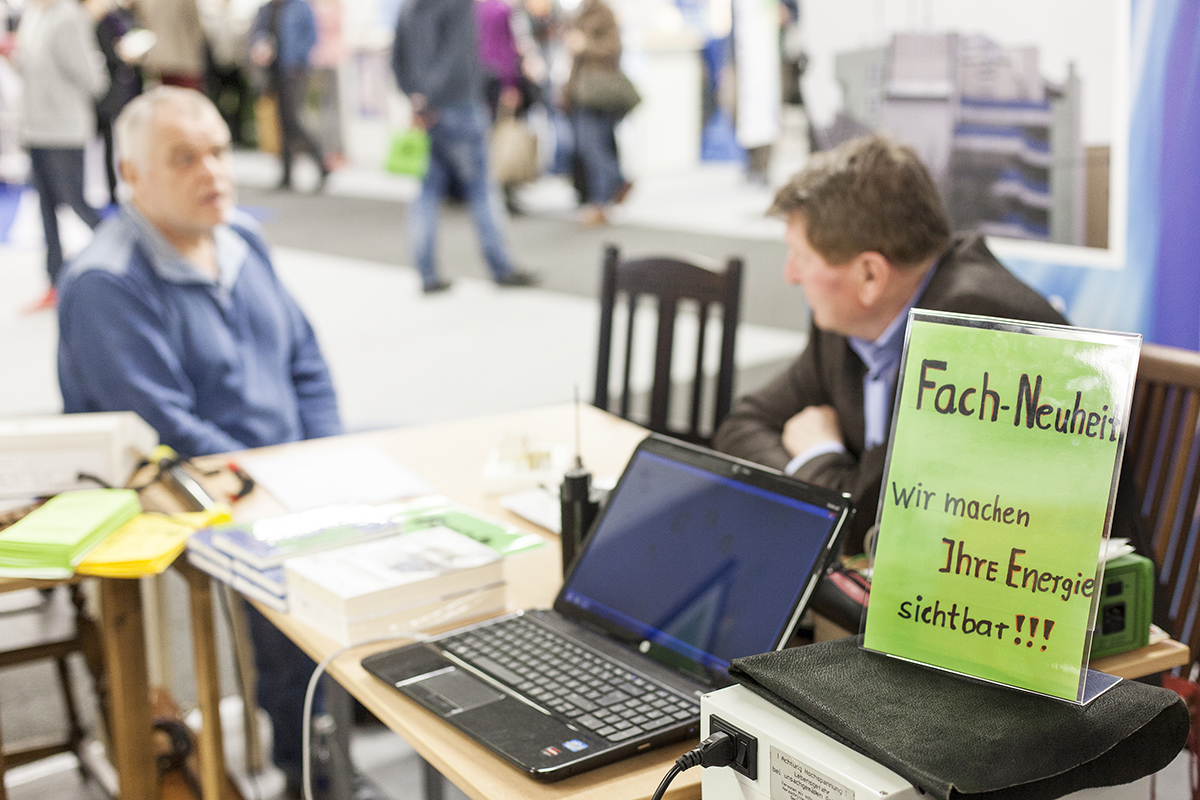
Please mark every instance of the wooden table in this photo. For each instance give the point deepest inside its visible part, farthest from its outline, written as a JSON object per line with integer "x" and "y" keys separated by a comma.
{"x": 1145, "y": 661}
{"x": 452, "y": 456}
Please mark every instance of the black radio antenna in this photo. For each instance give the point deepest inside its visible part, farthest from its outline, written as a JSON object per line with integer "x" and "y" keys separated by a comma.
{"x": 578, "y": 438}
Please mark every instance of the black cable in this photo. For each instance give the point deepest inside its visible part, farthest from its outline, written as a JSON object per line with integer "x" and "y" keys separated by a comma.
{"x": 87, "y": 476}
{"x": 666, "y": 781}
{"x": 715, "y": 751}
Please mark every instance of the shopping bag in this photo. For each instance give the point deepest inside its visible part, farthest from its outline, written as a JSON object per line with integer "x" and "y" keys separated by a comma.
{"x": 513, "y": 152}
{"x": 266, "y": 123}
{"x": 409, "y": 153}
{"x": 606, "y": 90}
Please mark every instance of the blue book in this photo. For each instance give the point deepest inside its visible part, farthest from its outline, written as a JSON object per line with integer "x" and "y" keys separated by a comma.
{"x": 200, "y": 561}
{"x": 201, "y": 542}
{"x": 269, "y": 580}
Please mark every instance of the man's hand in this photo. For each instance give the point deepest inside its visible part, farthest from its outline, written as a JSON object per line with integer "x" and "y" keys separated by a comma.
{"x": 422, "y": 115}
{"x": 812, "y": 426}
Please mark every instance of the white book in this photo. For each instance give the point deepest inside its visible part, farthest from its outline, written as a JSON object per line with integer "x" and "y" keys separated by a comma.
{"x": 400, "y": 622}
{"x": 397, "y": 571}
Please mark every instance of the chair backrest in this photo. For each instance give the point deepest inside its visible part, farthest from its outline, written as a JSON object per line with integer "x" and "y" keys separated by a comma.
{"x": 1162, "y": 450}
{"x": 670, "y": 281}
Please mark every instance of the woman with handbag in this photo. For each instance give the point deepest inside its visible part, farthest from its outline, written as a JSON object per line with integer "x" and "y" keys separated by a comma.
{"x": 509, "y": 94}
{"x": 597, "y": 95}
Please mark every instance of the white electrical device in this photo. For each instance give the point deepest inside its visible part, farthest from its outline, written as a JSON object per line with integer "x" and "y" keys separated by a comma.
{"x": 794, "y": 761}
{"x": 44, "y": 455}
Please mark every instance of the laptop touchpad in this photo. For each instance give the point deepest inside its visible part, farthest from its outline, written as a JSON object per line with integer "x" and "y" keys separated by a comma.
{"x": 453, "y": 692}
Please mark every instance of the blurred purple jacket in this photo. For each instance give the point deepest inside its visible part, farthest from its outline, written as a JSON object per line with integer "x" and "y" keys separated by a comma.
{"x": 497, "y": 48}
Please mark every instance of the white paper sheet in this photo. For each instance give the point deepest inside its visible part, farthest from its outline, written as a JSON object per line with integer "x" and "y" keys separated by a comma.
{"x": 350, "y": 474}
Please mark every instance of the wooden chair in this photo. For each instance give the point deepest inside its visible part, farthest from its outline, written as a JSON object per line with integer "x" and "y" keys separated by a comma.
{"x": 1162, "y": 451}
{"x": 57, "y": 645}
{"x": 673, "y": 282}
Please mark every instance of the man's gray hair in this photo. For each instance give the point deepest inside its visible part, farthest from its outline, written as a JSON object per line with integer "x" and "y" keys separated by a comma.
{"x": 133, "y": 123}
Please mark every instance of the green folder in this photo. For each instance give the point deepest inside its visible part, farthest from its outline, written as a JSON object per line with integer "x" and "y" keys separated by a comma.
{"x": 51, "y": 540}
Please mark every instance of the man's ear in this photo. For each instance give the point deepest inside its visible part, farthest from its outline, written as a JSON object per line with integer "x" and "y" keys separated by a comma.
{"x": 128, "y": 171}
{"x": 873, "y": 272}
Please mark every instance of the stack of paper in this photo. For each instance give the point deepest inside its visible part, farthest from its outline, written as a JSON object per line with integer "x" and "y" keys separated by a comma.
{"x": 333, "y": 475}
{"x": 413, "y": 581}
{"x": 51, "y": 540}
{"x": 147, "y": 544}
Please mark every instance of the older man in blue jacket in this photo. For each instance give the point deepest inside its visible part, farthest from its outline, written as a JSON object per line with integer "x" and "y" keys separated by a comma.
{"x": 174, "y": 311}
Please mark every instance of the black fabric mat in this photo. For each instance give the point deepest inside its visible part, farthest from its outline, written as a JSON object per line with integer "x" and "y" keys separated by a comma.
{"x": 958, "y": 738}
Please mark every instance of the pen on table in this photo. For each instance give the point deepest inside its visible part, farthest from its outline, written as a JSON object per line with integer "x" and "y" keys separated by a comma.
{"x": 247, "y": 482}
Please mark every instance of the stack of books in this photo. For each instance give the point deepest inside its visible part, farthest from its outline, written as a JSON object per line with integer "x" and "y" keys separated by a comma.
{"x": 51, "y": 540}
{"x": 266, "y": 585}
{"x": 395, "y": 586}
{"x": 249, "y": 556}
{"x": 435, "y": 562}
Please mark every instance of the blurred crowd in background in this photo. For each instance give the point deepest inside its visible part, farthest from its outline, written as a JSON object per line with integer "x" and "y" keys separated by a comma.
{"x": 296, "y": 77}
{"x": 210, "y": 45}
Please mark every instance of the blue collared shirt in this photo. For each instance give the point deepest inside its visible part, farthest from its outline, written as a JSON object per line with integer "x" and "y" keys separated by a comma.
{"x": 212, "y": 365}
{"x": 881, "y": 357}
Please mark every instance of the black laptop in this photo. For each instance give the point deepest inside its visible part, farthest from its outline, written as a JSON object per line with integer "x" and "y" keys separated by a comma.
{"x": 697, "y": 558}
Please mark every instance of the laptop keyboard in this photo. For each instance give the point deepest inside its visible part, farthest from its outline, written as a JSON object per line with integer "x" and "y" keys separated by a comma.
{"x": 591, "y": 691}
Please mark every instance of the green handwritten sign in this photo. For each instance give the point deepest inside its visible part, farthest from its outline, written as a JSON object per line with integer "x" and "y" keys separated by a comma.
{"x": 1001, "y": 471}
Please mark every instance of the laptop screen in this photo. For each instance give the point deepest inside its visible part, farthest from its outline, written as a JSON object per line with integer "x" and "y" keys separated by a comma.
{"x": 699, "y": 558}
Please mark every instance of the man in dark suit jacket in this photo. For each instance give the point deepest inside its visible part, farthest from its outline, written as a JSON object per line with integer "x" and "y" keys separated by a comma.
{"x": 868, "y": 239}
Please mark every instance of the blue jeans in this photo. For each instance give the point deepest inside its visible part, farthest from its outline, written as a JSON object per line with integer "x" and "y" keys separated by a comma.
{"x": 283, "y": 673}
{"x": 458, "y": 151}
{"x": 596, "y": 145}
{"x": 58, "y": 177}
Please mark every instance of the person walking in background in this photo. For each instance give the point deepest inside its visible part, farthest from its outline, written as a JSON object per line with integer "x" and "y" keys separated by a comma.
{"x": 227, "y": 26}
{"x": 324, "y": 60}
{"x": 113, "y": 23}
{"x": 508, "y": 91}
{"x": 759, "y": 95}
{"x": 436, "y": 63}
{"x": 281, "y": 39}
{"x": 63, "y": 71}
{"x": 594, "y": 41}
{"x": 177, "y": 57}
